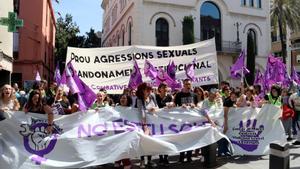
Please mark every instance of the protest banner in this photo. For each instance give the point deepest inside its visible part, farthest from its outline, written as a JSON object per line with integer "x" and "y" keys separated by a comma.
{"x": 110, "y": 68}
{"x": 251, "y": 130}
{"x": 97, "y": 137}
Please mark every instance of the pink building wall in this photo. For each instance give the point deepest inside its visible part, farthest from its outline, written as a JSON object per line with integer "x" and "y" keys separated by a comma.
{"x": 36, "y": 40}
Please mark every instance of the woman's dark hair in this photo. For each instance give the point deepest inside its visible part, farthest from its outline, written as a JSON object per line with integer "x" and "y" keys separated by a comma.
{"x": 200, "y": 89}
{"x": 161, "y": 85}
{"x": 36, "y": 85}
{"x": 141, "y": 88}
{"x": 277, "y": 88}
{"x": 29, "y": 102}
{"x": 129, "y": 100}
{"x": 257, "y": 89}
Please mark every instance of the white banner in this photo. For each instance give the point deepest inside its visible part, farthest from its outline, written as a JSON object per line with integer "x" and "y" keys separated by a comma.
{"x": 92, "y": 138}
{"x": 110, "y": 68}
{"x": 251, "y": 130}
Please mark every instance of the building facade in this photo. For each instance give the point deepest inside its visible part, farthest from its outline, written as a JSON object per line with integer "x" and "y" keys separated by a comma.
{"x": 34, "y": 43}
{"x": 6, "y": 44}
{"x": 159, "y": 23}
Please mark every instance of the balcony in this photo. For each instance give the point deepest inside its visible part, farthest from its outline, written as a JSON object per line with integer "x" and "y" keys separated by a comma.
{"x": 229, "y": 47}
{"x": 296, "y": 46}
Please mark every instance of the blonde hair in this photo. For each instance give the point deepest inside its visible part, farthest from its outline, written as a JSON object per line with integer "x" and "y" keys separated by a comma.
{"x": 12, "y": 97}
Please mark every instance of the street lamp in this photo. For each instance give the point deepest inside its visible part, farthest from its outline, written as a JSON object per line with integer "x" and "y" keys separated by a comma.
{"x": 237, "y": 24}
{"x": 237, "y": 42}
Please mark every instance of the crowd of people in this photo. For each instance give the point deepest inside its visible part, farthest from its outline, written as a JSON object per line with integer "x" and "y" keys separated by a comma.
{"x": 147, "y": 99}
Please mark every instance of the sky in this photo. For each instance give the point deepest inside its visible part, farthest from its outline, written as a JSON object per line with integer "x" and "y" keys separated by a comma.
{"x": 86, "y": 13}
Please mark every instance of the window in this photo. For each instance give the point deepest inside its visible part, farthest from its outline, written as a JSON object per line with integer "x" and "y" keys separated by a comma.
{"x": 243, "y": 2}
{"x": 118, "y": 41}
{"x": 162, "y": 32}
{"x": 251, "y": 3}
{"x": 258, "y": 3}
{"x": 210, "y": 18}
{"x": 129, "y": 34}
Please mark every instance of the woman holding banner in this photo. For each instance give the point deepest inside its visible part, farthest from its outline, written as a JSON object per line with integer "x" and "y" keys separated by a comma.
{"x": 163, "y": 100}
{"x": 36, "y": 105}
{"x": 8, "y": 101}
{"x": 200, "y": 95}
{"x": 146, "y": 103}
{"x": 125, "y": 101}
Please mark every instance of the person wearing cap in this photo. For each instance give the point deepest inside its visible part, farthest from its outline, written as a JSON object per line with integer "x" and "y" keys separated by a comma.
{"x": 211, "y": 104}
{"x": 186, "y": 98}
{"x": 146, "y": 103}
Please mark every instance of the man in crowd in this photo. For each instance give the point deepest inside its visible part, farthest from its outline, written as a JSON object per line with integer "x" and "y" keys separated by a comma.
{"x": 186, "y": 98}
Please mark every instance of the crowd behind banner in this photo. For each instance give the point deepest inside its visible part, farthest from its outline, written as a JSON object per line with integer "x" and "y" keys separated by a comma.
{"x": 147, "y": 99}
{"x": 69, "y": 94}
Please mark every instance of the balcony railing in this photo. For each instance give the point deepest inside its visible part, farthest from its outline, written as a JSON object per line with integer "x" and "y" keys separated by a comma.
{"x": 296, "y": 46}
{"x": 229, "y": 47}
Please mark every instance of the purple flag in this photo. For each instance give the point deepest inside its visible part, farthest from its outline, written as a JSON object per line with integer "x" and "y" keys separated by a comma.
{"x": 135, "y": 77}
{"x": 259, "y": 78}
{"x": 295, "y": 76}
{"x": 171, "y": 70}
{"x": 68, "y": 79}
{"x": 276, "y": 73}
{"x": 238, "y": 66}
{"x": 150, "y": 70}
{"x": 86, "y": 96}
{"x": 37, "y": 76}
{"x": 190, "y": 70}
{"x": 57, "y": 75}
{"x": 163, "y": 77}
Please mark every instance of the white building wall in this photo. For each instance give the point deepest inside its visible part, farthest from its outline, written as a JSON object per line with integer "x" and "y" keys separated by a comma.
{"x": 144, "y": 14}
{"x": 6, "y": 38}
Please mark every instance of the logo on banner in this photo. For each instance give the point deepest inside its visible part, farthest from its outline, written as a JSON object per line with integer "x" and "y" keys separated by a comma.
{"x": 247, "y": 137}
{"x": 37, "y": 141}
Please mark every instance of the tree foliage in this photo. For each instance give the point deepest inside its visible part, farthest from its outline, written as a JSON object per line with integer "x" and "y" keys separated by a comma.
{"x": 92, "y": 40}
{"x": 285, "y": 12}
{"x": 66, "y": 31}
{"x": 66, "y": 35}
{"x": 188, "y": 30}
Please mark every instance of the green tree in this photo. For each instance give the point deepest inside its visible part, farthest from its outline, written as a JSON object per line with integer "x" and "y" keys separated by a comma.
{"x": 66, "y": 31}
{"x": 285, "y": 12}
{"x": 188, "y": 30}
{"x": 92, "y": 40}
